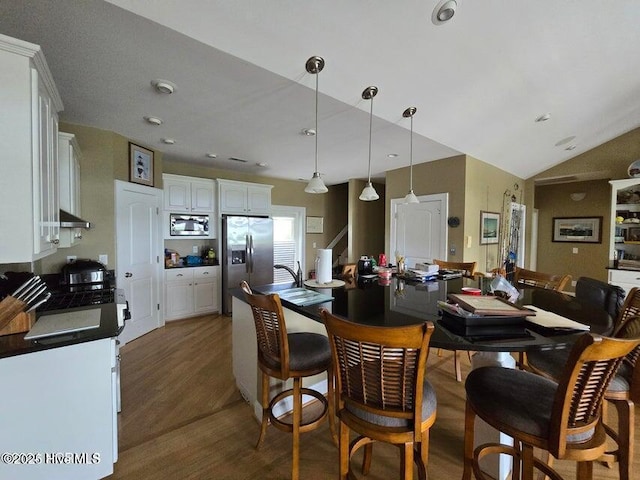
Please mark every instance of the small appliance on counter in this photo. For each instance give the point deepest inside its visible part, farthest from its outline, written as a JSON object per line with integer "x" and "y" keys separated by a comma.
{"x": 365, "y": 266}
{"x": 83, "y": 275}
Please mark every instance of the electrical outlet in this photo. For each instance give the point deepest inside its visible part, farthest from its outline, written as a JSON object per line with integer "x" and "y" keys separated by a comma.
{"x": 452, "y": 250}
{"x": 575, "y": 249}
{"x": 573, "y": 283}
{"x": 314, "y": 244}
{"x": 194, "y": 249}
{"x": 103, "y": 259}
{"x": 71, "y": 258}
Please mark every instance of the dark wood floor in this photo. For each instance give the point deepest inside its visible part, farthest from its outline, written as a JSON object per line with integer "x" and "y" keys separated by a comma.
{"x": 183, "y": 418}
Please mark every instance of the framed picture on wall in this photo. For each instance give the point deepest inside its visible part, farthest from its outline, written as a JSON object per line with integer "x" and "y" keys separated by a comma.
{"x": 315, "y": 224}
{"x": 489, "y": 227}
{"x": 140, "y": 165}
{"x": 577, "y": 229}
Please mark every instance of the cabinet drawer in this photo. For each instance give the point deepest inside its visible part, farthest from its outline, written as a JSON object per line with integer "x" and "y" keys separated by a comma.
{"x": 205, "y": 272}
{"x": 178, "y": 275}
{"x": 624, "y": 276}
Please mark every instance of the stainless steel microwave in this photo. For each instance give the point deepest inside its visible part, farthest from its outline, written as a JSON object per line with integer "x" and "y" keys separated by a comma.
{"x": 188, "y": 225}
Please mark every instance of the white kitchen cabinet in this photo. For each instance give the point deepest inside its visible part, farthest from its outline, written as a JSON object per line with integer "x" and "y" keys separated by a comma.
{"x": 69, "y": 168}
{"x": 188, "y": 194}
{"x": 191, "y": 291}
{"x": 242, "y": 198}
{"x": 625, "y": 279}
{"x": 29, "y": 198}
{"x": 77, "y": 414}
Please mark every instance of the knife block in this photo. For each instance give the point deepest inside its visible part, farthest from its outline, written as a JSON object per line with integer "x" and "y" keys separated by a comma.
{"x": 22, "y": 322}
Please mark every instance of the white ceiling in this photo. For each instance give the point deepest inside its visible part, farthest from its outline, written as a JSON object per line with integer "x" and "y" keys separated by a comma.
{"x": 478, "y": 82}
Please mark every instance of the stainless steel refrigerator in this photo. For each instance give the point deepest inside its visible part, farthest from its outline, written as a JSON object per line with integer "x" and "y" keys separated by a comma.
{"x": 247, "y": 253}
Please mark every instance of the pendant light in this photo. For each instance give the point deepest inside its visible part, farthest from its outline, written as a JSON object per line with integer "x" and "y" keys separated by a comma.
{"x": 314, "y": 66}
{"x": 411, "y": 197}
{"x": 369, "y": 193}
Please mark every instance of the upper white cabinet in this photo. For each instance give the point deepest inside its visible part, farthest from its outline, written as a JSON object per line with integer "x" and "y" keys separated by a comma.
{"x": 188, "y": 194}
{"x": 244, "y": 198}
{"x": 29, "y": 201}
{"x": 69, "y": 168}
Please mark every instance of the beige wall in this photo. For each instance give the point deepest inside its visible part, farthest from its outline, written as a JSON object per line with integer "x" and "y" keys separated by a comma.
{"x": 366, "y": 222}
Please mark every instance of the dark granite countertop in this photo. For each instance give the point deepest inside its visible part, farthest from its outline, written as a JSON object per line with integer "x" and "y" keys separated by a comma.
{"x": 11, "y": 345}
{"x": 402, "y": 303}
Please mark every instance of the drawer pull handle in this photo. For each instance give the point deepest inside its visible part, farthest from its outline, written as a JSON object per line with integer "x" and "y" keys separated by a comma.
{"x": 205, "y": 273}
{"x": 179, "y": 275}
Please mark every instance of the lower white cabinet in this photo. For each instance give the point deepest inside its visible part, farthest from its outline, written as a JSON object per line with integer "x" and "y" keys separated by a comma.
{"x": 59, "y": 413}
{"x": 625, "y": 279}
{"x": 191, "y": 291}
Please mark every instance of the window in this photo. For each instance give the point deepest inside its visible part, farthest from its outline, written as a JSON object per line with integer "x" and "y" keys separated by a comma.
{"x": 288, "y": 240}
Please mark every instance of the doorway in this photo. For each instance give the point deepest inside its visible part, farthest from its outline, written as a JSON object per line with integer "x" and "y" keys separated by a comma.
{"x": 419, "y": 231}
{"x": 138, "y": 255}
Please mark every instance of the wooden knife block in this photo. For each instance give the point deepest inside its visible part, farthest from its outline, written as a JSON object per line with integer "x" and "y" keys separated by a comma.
{"x": 22, "y": 322}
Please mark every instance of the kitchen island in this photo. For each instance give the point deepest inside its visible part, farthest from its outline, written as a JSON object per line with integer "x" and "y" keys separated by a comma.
{"x": 60, "y": 402}
{"x": 398, "y": 303}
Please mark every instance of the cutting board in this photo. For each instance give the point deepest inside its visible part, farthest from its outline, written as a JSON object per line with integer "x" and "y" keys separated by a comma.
{"x": 67, "y": 322}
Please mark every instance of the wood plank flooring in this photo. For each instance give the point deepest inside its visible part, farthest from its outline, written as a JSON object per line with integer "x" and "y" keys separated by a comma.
{"x": 183, "y": 418}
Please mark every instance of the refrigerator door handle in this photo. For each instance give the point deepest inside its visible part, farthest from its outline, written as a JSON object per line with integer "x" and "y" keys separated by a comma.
{"x": 247, "y": 253}
{"x": 251, "y": 250}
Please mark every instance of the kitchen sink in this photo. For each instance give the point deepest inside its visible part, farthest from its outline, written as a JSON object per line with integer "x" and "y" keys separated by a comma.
{"x": 302, "y": 297}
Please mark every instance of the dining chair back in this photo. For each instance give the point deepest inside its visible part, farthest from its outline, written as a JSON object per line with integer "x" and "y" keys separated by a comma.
{"x": 630, "y": 308}
{"x": 349, "y": 270}
{"x": 562, "y": 418}
{"x": 532, "y": 278}
{"x": 604, "y": 295}
{"x": 381, "y": 390}
{"x": 283, "y": 356}
{"x": 468, "y": 268}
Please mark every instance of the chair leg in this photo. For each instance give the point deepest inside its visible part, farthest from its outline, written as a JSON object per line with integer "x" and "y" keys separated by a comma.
{"x": 366, "y": 458}
{"x": 527, "y": 462}
{"x": 264, "y": 400}
{"x": 584, "y": 470}
{"x": 297, "y": 420}
{"x": 456, "y": 365}
{"x": 424, "y": 448}
{"x": 469, "y": 431}
{"x": 406, "y": 464}
{"x": 344, "y": 451}
{"x": 331, "y": 400}
{"x": 625, "y": 436}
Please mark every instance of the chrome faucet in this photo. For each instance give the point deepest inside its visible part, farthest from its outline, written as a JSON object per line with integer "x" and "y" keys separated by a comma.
{"x": 296, "y": 276}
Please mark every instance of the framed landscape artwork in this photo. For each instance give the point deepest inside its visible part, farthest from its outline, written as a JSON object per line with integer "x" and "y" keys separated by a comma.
{"x": 140, "y": 165}
{"x": 489, "y": 227}
{"x": 577, "y": 229}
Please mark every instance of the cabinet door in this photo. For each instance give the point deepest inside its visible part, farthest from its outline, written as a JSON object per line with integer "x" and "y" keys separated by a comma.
{"x": 178, "y": 299}
{"x": 233, "y": 198}
{"x": 202, "y": 197}
{"x": 69, "y": 181}
{"x": 177, "y": 195}
{"x": 259, "y": 200}
{"x": 205, "y": 291}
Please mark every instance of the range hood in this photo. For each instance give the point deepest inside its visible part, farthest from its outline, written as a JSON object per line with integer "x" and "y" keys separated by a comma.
{"x": 71, "y": 221}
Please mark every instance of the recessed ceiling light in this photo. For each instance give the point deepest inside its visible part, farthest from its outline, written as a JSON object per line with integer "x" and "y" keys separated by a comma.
{"x": 169, "y": 141}
{"x": 212, "y": 155}
{"x": 544, "y": 117}
{"x": 261, "y": 164}
{"x": 564, "y": 141}
{"x": 444, "y": 11}
{"x": 153, "y": 120}
{"x": 309, "y": 132}
{"x": 163, "y": 86}
{"x": 570, "y": 147}
{"x": 392, "y": 155}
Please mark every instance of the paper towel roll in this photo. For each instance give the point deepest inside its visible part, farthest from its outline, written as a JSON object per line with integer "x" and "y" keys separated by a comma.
{"x": 323, "y": 270}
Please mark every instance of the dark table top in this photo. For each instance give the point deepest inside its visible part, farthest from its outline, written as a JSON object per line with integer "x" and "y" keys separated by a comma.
{"x": 402, "y": 303}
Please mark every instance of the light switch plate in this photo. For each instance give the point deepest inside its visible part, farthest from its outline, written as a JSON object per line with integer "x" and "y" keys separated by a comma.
{"x": 194, "y": 249}
{"x": 103, "y": 259}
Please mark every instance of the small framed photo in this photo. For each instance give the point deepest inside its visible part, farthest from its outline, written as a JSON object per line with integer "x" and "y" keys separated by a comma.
{"x": 140, "y": 165}
{"x": 315, "y": 224}
{"x": 577, "y": 229}
{"x": 489, "y": 227}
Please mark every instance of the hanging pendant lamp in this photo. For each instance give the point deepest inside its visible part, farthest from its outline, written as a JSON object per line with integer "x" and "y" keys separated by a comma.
{"x": 369, "y": 193}
{"x": 314, "y": 66}
{"x": 410, "y": 197}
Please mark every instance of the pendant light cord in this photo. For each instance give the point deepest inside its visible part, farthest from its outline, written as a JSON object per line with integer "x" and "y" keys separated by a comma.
{"x": 370, "y": 130}
{"x": 316, "y": 135}
{"x": 411, "y": 157}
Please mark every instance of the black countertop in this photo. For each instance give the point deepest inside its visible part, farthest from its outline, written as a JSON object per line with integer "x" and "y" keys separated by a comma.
{"x": 402, "y": 303}
{"x": 11, "y": 345}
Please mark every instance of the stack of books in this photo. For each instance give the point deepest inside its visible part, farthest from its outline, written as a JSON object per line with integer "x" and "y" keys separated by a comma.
{"x": 423, "y": 272}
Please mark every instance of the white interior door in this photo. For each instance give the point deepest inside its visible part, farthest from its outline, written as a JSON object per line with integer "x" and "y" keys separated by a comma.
{"x": 138, "y": 251}
{"x": 419, "y": 231}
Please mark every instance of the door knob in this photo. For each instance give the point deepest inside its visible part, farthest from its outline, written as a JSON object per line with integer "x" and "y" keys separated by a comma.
{"x": 128, "y": 274}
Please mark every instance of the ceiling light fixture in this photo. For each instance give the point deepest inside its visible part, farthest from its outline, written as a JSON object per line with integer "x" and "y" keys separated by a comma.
{"x": 309, "y": 132}
{"x": 410, "y": 197}
{"x": 369, "y": 193}
{"x": 392, "y": 155}
{"x": 543, "y": 118}
{"x": 164, "y": 86}
{"x": 314, "y": 66}
{"x": 168, "y": 141}
{"x": 153, "y": 120}
{"x": 444, "y": 11}
{"x": 212, "y": 155}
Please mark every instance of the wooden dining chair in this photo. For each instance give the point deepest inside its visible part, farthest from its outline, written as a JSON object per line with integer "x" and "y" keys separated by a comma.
{"x": 469, "y": 271}
{"x": 349, "y": 270}
{"x": 381, "y": 390}
{"x": 283, "y": 356}
{"x": 531, "y": 278}
{"x": 563, "y": 418}
{"x": 468, "y": 268}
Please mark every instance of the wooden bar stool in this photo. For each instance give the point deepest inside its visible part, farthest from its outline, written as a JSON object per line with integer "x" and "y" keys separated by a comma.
{"x": 284, "y": 356}
{"x": 382, "y": 392}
